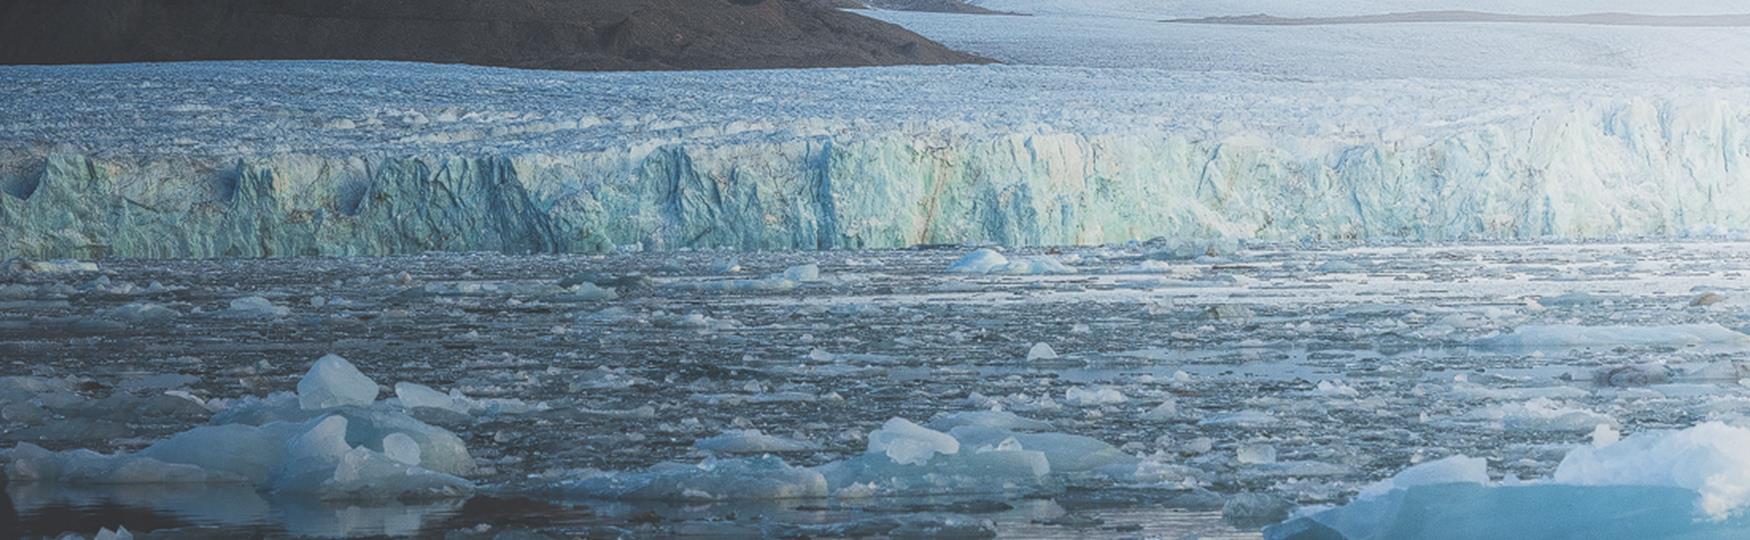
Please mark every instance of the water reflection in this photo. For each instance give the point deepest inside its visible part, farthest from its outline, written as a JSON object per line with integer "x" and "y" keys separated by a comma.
{"x": 48, "y": 509}
{"x": 238, "y": 511}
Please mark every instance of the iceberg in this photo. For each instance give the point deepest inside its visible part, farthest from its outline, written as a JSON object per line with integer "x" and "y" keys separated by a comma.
{"x": 345, "y": 447}
{"x": 334, "y": 382}
{"x": 1689, "y": 483}
{"x": 978, "y": 455}
{"x": 1563, "y": 336}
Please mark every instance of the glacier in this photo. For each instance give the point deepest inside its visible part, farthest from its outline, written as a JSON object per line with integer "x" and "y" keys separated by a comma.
{"x": 1173, "y": 155}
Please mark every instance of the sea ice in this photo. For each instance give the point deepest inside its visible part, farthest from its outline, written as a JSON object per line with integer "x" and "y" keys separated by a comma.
{"x": 1041, "y": 351}
{"x": 1690, "y": 483}
{"x": 751, "y": 441}
{"x": 255, "y": 307}
{"x": 352, "y": 452}
{"x": 910, "y": 444}
{"x": 991, "y": 419}
{"x": 1093, "y": 396}
{"x": 414, "y": 395}
{"x": 982, "y": 261}
{"x": 803, "y": 273}
{"x": 1544, "y": 414}
{"x": 1575, "y": 336}
{"x": 1709, "y": 459}
{"x": 334, "y": 382}
{"x": 760, "y": 478}
{"x": 58, "y": 266}
{"x": 1033, "y": 266}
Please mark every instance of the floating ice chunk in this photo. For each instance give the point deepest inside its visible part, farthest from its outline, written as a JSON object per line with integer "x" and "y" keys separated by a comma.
{"x": 982, "y": 261}
{"x": 1033, "y": 266}
{"x": 439, "y": 450}
{"x": 1455, "y": 511}
{"x": 402, "y": 448}
{"x": 767, "y": 284}
{"x": 1194, "y": 249}
{"x": 247, "y": 452}
{"x": 319, "y": 462}
{"x": 259, "y": 410}
{"x": 991, "y": 419}
{"x": 1335, "y": 389}
{"x": 59, "y": 266}
{"x": 803, "y": 273}
{"x": 1093, "y": 396}
{"x": 907, "y": 443}
{"x": 141, "y": 313}
{"x": 583, "y": 292}
{"x": 1542, "y": 414}
{"x": 1707, "y": 299}
{"x": 1167, "y": 410}
{"x": 120, "y": 533}
{"x": 1573, "y": 299}
{"x": 414, "y": 395}
{"x": 334, "y": 382}
{"x": 751, "y": 441}
{"x": 1650, "y": 485}
{"x": 1255, "y": 454}
{"x": 1245, "y": 418}
{"x": 1574, "y": 336}
{"x": 1041, "y": 351}
{"x": 1228, "y": 312}
{"x": 1448, "y": 470}
{"x": 29, "y": 463}
{"x": 992, "y": 469}
{"x": 761, "y": 478}
{"x": 1338, "y": 266}
{"x": 1252, "y": 509}
{"x": 1065, "y": 453}
{"x": 1708, "y": 459}
{"x": 255, "y": 307}
{"x": 1604, "y": 435}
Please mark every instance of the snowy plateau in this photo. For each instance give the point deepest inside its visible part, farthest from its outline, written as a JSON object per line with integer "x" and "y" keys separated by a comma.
{"x": 1143, "y": 279}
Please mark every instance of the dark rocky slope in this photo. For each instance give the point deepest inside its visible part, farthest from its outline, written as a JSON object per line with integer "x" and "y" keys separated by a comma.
{"x": 548, "y": 34}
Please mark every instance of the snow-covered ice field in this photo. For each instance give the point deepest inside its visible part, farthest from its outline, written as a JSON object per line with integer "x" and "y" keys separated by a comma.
{"x": 1146, "y": 390}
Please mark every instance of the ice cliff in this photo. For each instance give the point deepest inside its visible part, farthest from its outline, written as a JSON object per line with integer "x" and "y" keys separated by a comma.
{"x": 1171, "y": 160}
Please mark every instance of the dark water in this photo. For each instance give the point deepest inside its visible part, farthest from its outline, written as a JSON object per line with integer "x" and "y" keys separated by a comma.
{"x": 238, "y": 512}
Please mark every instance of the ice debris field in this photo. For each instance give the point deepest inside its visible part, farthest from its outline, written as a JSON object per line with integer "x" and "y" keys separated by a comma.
{"x": 1328, "y": 281}
{"x": 1150, "y": 389}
